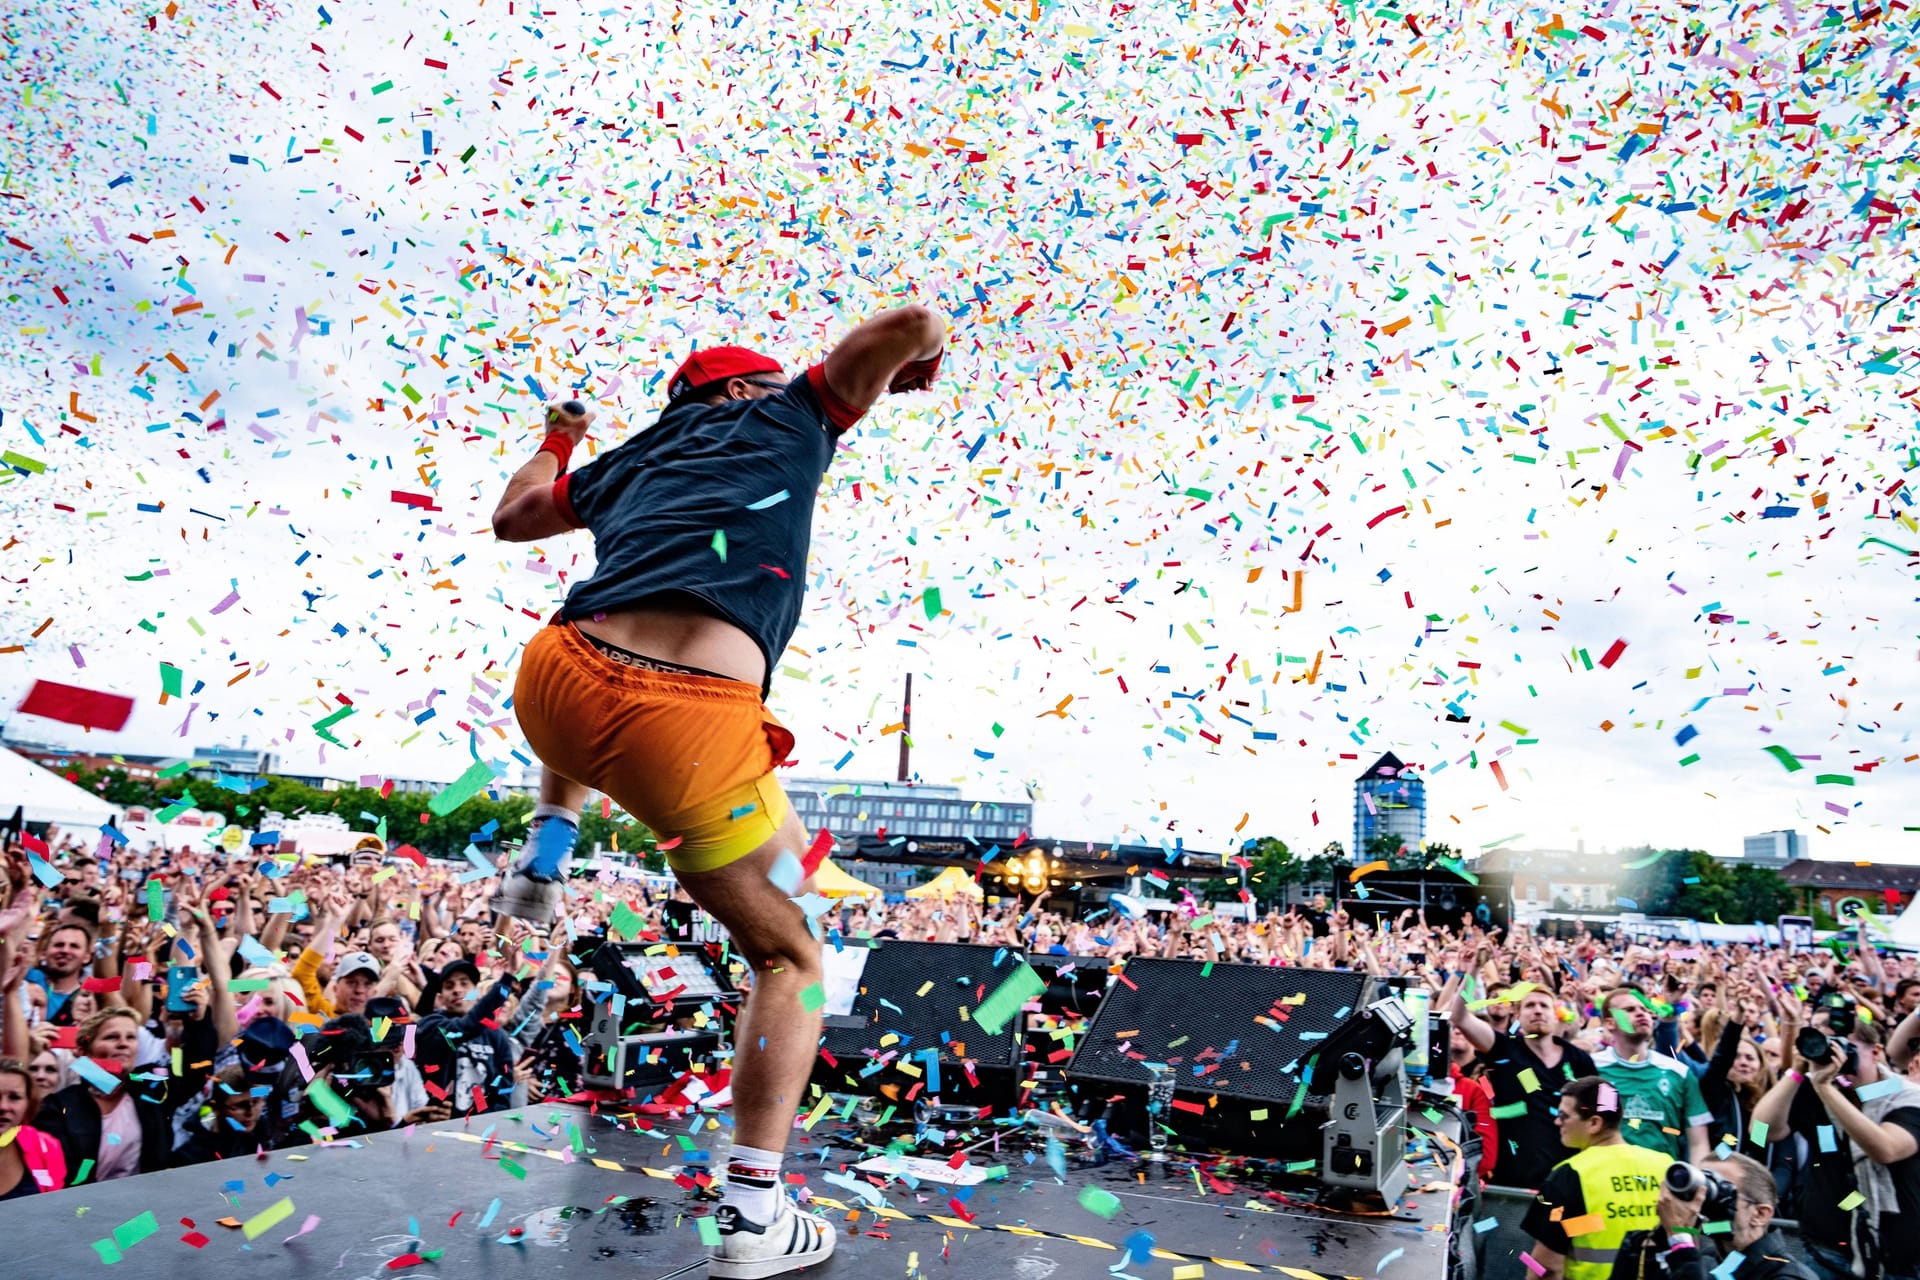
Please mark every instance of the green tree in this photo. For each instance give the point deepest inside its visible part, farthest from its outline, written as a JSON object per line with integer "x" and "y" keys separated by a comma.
{"x": 1273, "y": 868}
{"x": 1706, "y": 890}
{"x": 1760, "y": 896}
{"x": 1692, "y": 883}
{"x": 1390, "y": 850}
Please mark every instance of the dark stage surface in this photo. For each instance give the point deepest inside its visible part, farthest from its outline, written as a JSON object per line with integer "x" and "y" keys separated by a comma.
{"x": 395, "y": 1195}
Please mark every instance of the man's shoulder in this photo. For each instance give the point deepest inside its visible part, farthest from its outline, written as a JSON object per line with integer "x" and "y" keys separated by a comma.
{"x": 1768, "y": 1259}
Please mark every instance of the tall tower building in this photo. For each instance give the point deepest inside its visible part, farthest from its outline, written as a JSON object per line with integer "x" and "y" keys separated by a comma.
{"x": 1388, "y": 800}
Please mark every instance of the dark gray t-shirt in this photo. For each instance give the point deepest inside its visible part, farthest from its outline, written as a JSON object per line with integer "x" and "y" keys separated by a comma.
{"x": 714, "y": 505}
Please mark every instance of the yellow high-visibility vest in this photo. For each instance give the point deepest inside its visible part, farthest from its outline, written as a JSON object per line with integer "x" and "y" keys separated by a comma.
{"x": 1620, "y": 1184}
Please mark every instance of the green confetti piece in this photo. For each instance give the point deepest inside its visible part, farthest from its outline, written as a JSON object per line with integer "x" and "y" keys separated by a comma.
{"x": 170, "y": 677}
{"x": 268, "y": 1218}
{"x": 464, "y": 788}
{"x": 383, "y": 86}
{"x": 813, "y": 998}
{"x": 12, "y": 459}
{"x": 709, "y": 1232}
{"x": 626, "y": 920}
{"x": 86, "y": 1167}
{"x": 515, "y": 1169}
{"x": 997, "y": 1008}
{"x": 720, "y": 544}
{"x": 931, "y": 601}
{"x": 1785, "y": 757}
{"x": 332, "y": 1105}
{"x": 1098, "y": 1201}
{"x": 324, "y": 725}
{"x": 1511, "y": 1111}
{"x": 109, "y": 1251}
{"x": 134, "y": 1230}
{"x": 156, "y": 900}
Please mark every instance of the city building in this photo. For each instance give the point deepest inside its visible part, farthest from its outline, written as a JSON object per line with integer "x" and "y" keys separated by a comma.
{"x": 851, "y": 810}
{"x": 1883, "y": 888}
{"x": 1774, "y": 849}
{"x": 1389, "y": 799}
{"x": 62, "y": 761}
{"x": 1554, "y": 879}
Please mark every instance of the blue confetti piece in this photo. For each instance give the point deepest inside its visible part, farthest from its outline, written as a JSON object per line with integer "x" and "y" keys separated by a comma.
{"x": 773, "y": 501}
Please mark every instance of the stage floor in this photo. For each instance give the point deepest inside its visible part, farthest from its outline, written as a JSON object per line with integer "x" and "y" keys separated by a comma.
{"x": 553, "y": 1190}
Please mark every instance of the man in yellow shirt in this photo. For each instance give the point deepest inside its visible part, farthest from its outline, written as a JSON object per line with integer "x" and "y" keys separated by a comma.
{"x": 1588, "y": 1203}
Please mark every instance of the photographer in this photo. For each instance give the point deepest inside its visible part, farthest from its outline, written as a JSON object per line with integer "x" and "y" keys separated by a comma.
{"x": 1737, "y": 1191}
{"x": 1858, "y": 1127}
{"x": 359, "y": 1085}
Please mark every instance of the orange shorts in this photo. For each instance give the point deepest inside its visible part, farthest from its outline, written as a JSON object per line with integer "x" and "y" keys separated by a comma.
{"x": 690, "y": 756}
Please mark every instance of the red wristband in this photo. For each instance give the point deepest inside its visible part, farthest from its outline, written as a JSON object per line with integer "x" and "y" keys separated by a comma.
{"x": 917, "y": 375}
{"x": 560, "y": 445}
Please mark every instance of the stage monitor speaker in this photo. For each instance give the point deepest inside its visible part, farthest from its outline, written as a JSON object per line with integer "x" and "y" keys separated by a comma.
{"x": 650, "y": 1017}
{"x": 1243, "y": 1025}
{"x": 894, "y": 1020}
{"x": 1236, "y": 1039}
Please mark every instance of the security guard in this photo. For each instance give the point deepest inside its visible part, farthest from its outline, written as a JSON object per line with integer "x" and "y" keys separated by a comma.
{"x": 1587, "y": 1204}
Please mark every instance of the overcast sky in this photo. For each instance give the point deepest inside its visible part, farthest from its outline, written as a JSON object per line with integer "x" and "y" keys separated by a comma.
{"x": 1452, "y": 325}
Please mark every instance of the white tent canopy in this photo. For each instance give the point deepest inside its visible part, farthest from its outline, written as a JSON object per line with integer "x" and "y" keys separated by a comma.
{"x": 1904, "y": 931}
{"x": 48, "y": 797}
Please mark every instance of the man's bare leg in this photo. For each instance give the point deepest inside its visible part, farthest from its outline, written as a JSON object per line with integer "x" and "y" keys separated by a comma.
{"x": 775, "y": 1037}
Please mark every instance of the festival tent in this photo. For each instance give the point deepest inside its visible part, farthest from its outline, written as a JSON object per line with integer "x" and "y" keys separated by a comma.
{"x": 48, "y": 797}
{"x": 951, "y": 883}
{"x": 830, "y": 881}
{"x": 1904, "y": 931}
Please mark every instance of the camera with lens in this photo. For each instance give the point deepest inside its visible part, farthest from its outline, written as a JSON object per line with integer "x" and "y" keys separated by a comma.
{"x": 361, "y": 1065}
{"x": 1684, "y": 1180}
{"x": 364, "y": 1073}
{"x": 1842, "y": 1010}
{"x": 1818, "y": 1047}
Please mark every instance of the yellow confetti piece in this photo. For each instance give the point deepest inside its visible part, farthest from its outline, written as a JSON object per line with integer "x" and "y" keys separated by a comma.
{"x": 268, "y": 1218}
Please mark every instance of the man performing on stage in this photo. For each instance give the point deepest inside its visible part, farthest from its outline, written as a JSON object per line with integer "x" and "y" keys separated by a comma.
{"x": 650, "y": 683}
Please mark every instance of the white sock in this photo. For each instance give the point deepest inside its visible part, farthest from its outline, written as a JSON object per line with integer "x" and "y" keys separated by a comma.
{"x": 753, "y": 1183}
{"x": 554, "y": 811}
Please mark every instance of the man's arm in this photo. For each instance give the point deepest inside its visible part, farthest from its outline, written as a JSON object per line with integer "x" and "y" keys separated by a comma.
{"x": 1478, "y": 1031}
{"x": 1698, "y": 1117}
{"x": 529, "y": 509}
{"x": 1553, "y": 1266}
{"x": 1901, "y": 1044}
{"x": 867, "y": 362}
{"x": 1773, "y": 1108}
{"x": 1882, "y": 1142}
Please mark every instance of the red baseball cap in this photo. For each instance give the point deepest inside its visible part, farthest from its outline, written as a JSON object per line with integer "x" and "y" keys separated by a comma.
{"x": 717, "y": 364}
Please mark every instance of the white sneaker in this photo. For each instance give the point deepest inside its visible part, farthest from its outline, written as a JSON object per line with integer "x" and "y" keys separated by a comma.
{"x": 526, "y": 898}
{"x": 749, "y": 1251}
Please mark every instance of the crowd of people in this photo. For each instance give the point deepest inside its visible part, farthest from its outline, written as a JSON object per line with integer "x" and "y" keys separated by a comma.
{"x": 170, "y": 1008}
